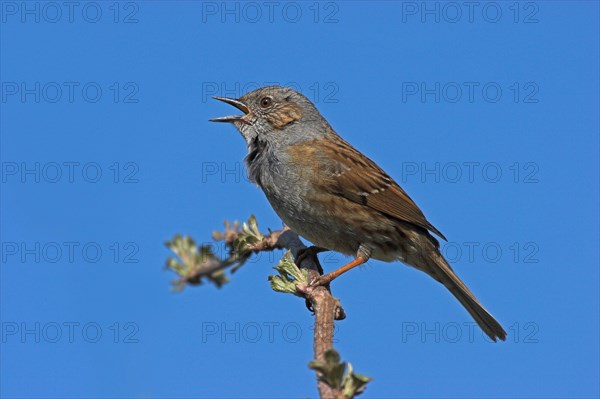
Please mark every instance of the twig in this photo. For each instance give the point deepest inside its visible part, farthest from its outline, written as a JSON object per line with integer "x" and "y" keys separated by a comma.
{"x": 193, "y": 264}
{"x": 326, "y": 307}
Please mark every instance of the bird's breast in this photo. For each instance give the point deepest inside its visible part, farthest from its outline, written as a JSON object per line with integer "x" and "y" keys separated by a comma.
{"x": 288, "y": 181}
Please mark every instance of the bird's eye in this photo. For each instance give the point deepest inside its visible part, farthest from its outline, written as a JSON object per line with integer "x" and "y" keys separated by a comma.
{"x": 266, "y": 102}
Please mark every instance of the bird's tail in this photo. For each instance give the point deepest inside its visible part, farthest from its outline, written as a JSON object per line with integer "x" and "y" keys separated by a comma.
{"x": 439, "y": 269}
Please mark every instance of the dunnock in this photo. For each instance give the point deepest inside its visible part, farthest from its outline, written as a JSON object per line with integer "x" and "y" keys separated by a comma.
{"x": 334, "y": 196}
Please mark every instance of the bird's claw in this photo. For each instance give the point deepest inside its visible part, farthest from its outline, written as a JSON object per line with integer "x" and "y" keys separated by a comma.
{"x": 319, "y": 281}
{"x": 309, "y": 305}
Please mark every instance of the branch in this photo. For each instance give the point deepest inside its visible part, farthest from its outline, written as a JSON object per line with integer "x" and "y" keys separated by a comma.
{"x": 331, "y": 379}
{"x": 194, "y": 264}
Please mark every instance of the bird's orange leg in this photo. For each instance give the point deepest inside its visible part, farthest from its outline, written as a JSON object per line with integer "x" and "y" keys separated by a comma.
{"x": 329, "y": 277}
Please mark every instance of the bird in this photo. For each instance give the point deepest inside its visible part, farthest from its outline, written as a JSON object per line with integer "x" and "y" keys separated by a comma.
{"x": 334, "y": 196}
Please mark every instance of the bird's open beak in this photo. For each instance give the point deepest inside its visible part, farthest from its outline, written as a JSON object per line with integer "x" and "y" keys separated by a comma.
{"x": 236, "y": 103}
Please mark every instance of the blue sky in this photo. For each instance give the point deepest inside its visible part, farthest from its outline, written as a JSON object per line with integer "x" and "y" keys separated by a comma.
{"x": 488, "y": 117}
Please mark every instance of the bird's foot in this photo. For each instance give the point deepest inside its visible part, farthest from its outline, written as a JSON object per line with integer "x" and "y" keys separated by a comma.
{"x": 321, "y": 281}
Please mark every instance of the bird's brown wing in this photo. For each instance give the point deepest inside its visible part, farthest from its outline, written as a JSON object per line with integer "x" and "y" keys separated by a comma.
{"x": 352, "y": 175}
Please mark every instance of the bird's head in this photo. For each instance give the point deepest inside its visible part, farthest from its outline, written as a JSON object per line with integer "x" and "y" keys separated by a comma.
{"x": 274, "y": 114}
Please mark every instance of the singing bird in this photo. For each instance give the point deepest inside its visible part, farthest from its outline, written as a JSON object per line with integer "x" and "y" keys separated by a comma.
{"x": 334, "y": 196}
